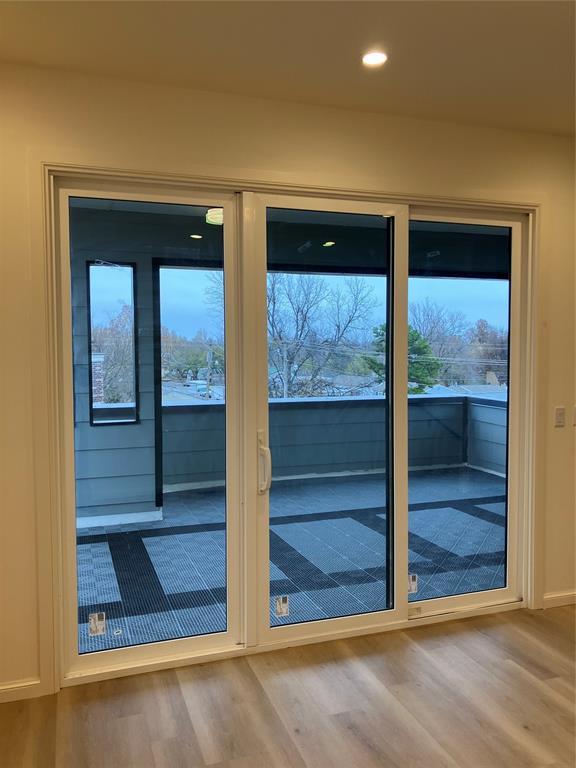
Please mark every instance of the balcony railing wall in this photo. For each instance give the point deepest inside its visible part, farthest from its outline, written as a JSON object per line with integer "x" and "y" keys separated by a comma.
{"x": 308, "y": 437}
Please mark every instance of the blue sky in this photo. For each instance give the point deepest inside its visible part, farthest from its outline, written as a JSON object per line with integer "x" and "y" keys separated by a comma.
{"x": 476, "y": 299}
{"x": 184, "y": 305}
{"x": 110, "y": 289}
{"x": 185, "y": 308}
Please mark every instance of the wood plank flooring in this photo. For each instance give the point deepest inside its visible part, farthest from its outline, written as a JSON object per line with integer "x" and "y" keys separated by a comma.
{"x": 491, "y": 692}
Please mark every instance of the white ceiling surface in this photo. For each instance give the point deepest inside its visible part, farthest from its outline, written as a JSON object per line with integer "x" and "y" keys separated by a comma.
{"x": 504, "y": 63}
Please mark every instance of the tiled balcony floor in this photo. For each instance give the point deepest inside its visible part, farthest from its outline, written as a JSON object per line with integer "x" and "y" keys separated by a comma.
{"x": 166, "y": 579}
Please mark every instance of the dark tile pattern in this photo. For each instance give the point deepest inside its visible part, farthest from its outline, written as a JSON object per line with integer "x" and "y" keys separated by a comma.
{"x": 328, "y": 554}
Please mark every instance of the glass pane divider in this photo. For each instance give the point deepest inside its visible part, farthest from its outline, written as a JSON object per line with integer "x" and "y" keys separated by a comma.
{"x": 399, "y": 409}
{"x": 253, "y": 504}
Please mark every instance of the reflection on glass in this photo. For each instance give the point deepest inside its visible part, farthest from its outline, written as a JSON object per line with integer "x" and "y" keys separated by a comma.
{"x": 327, "y": 309}
{"x": 458, "y": 408}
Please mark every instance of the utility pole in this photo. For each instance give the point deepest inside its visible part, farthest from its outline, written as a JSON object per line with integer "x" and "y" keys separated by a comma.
{"x": 209, "y": 357}
{"x": 285, "y": 370}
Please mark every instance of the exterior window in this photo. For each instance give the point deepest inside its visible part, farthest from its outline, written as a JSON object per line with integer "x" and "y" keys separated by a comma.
{"x": 191, "y": 335}
{"x": 112, "y": 348}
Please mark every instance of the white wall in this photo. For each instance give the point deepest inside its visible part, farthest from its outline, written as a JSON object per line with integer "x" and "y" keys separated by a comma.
{"x": 62, "y": 117}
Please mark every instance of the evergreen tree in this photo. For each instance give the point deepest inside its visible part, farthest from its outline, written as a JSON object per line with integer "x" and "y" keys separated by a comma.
{"x": 423, "y": 366}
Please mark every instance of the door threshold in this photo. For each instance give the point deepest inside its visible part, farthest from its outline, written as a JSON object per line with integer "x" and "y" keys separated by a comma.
{"x": 175, "y": 661}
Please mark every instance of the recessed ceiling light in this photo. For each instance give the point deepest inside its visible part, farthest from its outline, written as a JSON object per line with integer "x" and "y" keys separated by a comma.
{"x": 374, "y": 59}
{"x": 328, "y": 244}
{"x": 215, "y": 216}
{"x": 196, "y": 237}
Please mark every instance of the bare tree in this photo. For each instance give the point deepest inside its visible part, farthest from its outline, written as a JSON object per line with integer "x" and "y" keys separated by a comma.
{"x": 182, "y": 356}
{"x": 488, "y": 351}
{"x": 115, "y": 340}
{"x": 315, "y": 330}
{"x": 311, "y": 327}
{"x": 469, "y": 353}
{"x": 445, "y": 332}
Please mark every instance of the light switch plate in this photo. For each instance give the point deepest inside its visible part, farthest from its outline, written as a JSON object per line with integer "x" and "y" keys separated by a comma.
{"x": 559, "y": 416}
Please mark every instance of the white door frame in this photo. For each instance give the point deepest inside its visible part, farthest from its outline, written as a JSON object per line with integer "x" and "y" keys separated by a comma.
{"x": 254, "y": 284}
{"x": 82, "y": 666}
{"x": 518, "y": 479}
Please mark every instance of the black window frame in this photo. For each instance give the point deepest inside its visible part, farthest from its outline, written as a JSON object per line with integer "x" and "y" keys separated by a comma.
{"x": 121, "y": 421}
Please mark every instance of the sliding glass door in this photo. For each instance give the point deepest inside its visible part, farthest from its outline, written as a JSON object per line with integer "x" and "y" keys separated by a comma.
{"x": 299, "y": 427}
{"x": 462, "y": 525}
{"x": 156, "y": 479}
{"x": 327, "y": 472}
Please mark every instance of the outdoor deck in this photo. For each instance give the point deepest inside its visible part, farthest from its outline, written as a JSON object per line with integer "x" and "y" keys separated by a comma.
{"x": 164, "y": 580}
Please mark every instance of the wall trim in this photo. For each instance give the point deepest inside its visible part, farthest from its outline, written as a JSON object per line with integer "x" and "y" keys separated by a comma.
{"x": 557, "y": 599}
{"x": 73, "y": 172}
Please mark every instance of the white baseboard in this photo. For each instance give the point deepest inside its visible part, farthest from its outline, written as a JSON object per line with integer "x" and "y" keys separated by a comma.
{"x": 20, "y": 689}
{"x": 556, "y": 599}
{"x": 101, "y": 521}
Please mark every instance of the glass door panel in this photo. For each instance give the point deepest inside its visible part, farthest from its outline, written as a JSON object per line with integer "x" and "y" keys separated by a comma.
{"x": 458, "y": 386}
{"x": 328, "y": 321}
{"x": 150, "y": 421}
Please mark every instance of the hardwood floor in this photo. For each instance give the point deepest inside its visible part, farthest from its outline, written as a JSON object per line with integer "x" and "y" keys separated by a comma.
{"x": 489, "y": 692}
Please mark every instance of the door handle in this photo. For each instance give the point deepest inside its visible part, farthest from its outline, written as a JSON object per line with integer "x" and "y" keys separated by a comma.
{"x": 264, "y": 464}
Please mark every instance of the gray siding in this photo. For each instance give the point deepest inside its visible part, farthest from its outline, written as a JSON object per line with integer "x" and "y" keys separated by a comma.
{"x": 309, "y": 438}
{"x": 487, "y": 435}
{"x": 193, "y": 449}
{"x": 317, "y": 438}
{"x": 436, "y": 428}
{"x": 115, "y": 464}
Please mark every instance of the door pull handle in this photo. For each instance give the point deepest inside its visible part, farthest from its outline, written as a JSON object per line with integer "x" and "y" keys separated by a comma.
{"x": 264, "y": 464}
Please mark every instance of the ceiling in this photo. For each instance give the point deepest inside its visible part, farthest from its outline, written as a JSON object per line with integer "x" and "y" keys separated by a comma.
{"x": 504, "y": 63}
